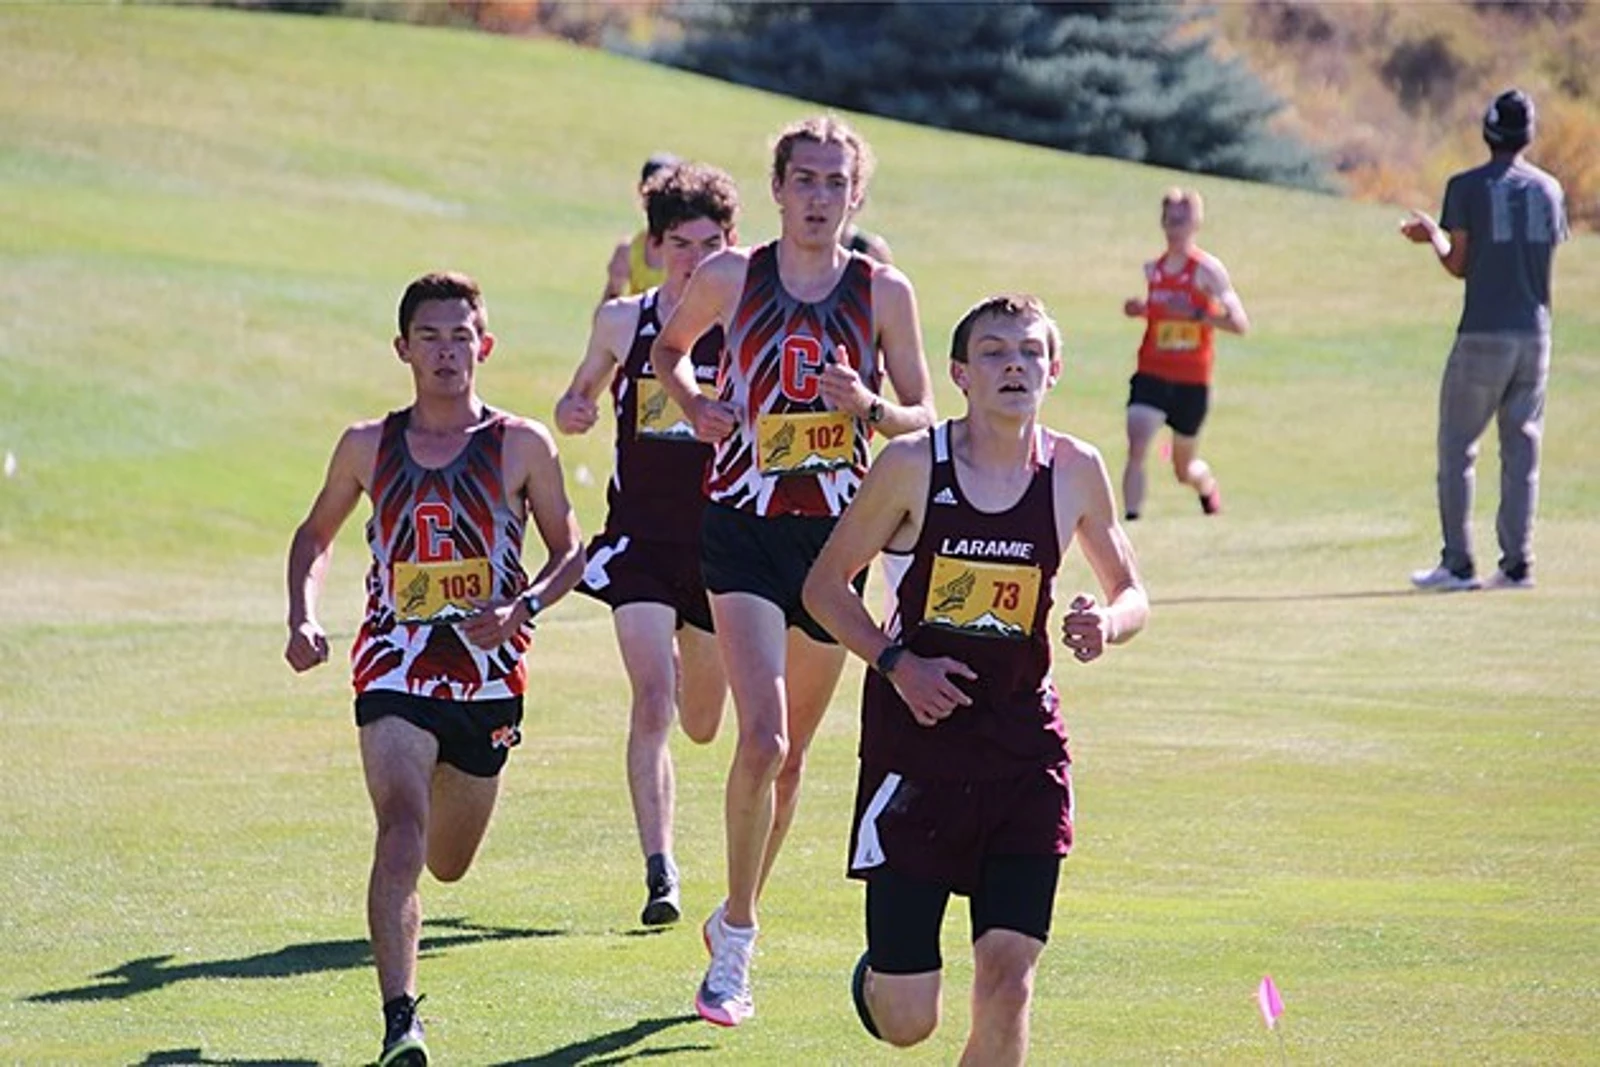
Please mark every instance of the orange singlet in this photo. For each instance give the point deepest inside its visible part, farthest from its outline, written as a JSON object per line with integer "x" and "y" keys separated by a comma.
{"x": 1176, "y": 348}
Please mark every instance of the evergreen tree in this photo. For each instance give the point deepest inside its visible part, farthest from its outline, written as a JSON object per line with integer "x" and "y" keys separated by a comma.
{"x": 1132, "y": 80}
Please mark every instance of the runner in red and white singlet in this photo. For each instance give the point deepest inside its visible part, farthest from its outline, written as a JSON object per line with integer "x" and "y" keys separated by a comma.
{"x": 438, "y": 664}
{"x": 813, "y": 331}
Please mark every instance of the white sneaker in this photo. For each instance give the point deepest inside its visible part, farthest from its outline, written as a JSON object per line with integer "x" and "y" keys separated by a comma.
{"x": 711, "y": 930}
{"x": 1443, "y": 580}
{"x": 723, "y": 998}
{"x": 1501, "y": 580}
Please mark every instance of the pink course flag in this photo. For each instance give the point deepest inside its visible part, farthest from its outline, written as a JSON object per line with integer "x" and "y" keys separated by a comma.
{"x": 1271, "y": 1003}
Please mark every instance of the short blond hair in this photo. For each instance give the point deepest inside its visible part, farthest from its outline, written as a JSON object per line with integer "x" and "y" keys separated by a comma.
{"x": 1175, "y": 196}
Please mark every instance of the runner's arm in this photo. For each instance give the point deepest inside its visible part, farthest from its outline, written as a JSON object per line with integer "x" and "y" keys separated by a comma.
{"x": 576, "y": 410}
{"x": 619, "y": 273}
{"x": 705, "y": 303}
{"x": 545, "y": 495}
{"x": 311, "y": 548}
{"x": 885, "y": 506}
{"x": 906, "y": 366}
{"x": 1216, "y": 283}
{"x": 1084, "y": 483}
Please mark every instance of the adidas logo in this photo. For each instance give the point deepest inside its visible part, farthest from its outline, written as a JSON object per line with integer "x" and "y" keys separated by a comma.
{"x": 944, "y": 496}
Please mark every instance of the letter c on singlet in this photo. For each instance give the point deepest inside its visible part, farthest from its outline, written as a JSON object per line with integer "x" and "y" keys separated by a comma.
{"x": 434, "y": 523}
{"x": 802, "y": 367}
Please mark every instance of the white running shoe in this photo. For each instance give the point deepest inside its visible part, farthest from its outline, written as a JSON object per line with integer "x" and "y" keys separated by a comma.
{"x": 1443, "y": 580}
{"x": 1501, "y": 580}
{"x": 723, "y": 998}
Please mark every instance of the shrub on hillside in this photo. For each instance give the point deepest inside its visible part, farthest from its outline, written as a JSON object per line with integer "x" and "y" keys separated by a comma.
{"x": 1134, "y": 81}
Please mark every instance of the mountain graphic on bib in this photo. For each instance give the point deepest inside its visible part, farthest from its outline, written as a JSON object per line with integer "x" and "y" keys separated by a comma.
{"x": 986, "y": 625}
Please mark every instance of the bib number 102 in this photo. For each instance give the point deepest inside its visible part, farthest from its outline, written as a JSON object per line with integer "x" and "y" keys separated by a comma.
{"x": 825, "y": 438}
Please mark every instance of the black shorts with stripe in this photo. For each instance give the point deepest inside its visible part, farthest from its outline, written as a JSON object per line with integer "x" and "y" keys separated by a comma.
{"x": 625, "y": 569}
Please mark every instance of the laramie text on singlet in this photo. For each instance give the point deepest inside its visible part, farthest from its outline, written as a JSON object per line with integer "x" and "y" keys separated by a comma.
{"x": 971, "y": 547}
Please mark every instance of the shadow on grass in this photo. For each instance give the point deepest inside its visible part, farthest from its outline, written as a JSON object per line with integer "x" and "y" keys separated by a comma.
{"x": 614, "y": 1046}
{"x": 192, "y": 1057}
{"x": 1272, "y": 598}
{"x": 152, "y": 972}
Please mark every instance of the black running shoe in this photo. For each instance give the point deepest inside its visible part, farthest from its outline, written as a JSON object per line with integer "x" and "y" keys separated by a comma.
{"x": 403, "y": 1043}
{"x": 661, "y": 881}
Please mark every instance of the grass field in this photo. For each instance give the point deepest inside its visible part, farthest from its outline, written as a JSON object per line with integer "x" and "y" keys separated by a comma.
{"x": 1387, "y": 801}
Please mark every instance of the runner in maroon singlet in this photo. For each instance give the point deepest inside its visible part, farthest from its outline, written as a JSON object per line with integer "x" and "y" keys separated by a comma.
{"x": 646, "y": 563}
{"x": 438, "y": 663}
{"x": 964, "y": 781}
{"x": 812, "y": 332}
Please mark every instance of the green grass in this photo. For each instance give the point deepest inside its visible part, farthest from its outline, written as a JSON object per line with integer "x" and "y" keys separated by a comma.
{"x": 1386, "y": 801}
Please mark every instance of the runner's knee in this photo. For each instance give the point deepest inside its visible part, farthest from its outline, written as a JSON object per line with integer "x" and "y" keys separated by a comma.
{"x": 401, "y": 844}
{"x": 652, "y": 710}
{"x": 763, "y": 751}
{"x": 904, "y": 1021}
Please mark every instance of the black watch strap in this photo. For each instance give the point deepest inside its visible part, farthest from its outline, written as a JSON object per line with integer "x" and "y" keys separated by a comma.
{"x": 887, "y": 659}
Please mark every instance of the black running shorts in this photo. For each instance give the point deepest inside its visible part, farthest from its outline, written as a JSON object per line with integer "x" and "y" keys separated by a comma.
{"x": 1184, "y": 405}
{"x": 624, "y": 569}
{"x": 475, "y": 736}
{"x": 766, "y": 557}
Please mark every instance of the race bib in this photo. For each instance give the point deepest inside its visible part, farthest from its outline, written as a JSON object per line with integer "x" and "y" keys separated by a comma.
{"x": 433, "y": 592}
{"x": 804, "y": 442}
{"x": 1177, "y": 336}
{"x": 657, "y": 415}
{"x": 982, "y": 599}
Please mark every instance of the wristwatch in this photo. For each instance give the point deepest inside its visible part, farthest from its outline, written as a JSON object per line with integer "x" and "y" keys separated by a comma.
{"x": 886, "y": 660}
{"x": 530, "y": 600}
{"x": 875, "y": 410}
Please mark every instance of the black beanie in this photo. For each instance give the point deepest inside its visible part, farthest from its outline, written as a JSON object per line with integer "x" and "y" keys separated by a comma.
{"x": 1508, "y": 123}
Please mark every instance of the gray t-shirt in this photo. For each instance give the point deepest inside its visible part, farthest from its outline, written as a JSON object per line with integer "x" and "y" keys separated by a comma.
{"x": 1515, "y": 215}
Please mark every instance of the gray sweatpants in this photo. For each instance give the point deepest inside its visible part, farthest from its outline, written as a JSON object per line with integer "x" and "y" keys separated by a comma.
{"x": 1503, "y": 377}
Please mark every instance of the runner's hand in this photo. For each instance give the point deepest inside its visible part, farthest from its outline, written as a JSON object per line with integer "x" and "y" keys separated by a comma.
{"x": 308, "y": 647}
{"x": 576, "y": 414}
{"x": 493, "y": 626}
{"x": 712, "y": 419}
{"x": 928, "y": 686}
{"x": 1134, "y": 308}
{"x": 1085, "y": 628}
{"x": 842, "y": 386}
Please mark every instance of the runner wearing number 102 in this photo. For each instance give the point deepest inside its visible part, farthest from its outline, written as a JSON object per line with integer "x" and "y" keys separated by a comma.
{"x": 812, "y": 332}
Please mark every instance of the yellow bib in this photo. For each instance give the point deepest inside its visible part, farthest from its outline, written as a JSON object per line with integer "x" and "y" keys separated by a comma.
{"x": 657, "y": 415}
{"x": 804, "y": 442}
{"x": 426, "y": 592}
{"x": 982, "y": 599}
{"x": 1177, "y": 335}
